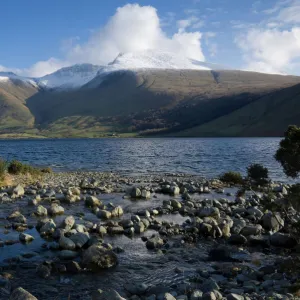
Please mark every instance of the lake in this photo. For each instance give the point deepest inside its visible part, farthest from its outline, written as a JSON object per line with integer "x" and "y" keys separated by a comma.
{"x": 202, "y": 156}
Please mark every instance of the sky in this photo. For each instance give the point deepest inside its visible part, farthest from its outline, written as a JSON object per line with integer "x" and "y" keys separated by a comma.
{"x": 40, "y": 37}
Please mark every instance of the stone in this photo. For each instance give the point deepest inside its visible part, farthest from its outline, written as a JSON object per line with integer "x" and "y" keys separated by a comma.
{"x": 135, "y": 193}
{"x": 196, "y": 295}
{"x": 238, "y": 225}
{"x": 175, "y": 204}
{"x": 168, "y": 296}
{"x": 41, "y": 211}
{"x": 209, "y": 296}
{"x": 48, "y": 228}
{"x": 43, "y": 271}
{"x": 92, "y": 201}
{"x": 282, "y": 240}
{"x": 205, "y": 229}
{"x": 97, "y": 257}
{"x": 209, "y": 212}
{"x": 104, "y": 214}
{"x": 272, "y": 222}
{"x": 126, "y": 223}
{"x": 237, "y": 239}
{"x": 25, "y": 238}
{"x": 135, "y": 219}
{"x": 115, "y": 230}
{"x": 56, "y": 209}
{"x": 109, "y": 294}
{"x": 73, "y": 267}
{"x": 146, "y": 194}
{"x": 234, "y": 297}
{"x": 154, "y": 243}
{"x": 67, "y": 254}
{"x": 21, "y": 294}
{"x": 136, "y": 288}
{"x": 139, "y": 227}
{"x": 117, "y": 212}
{"x": 251, "y": 230}
{"x": 17, "y": 217}
{"x": 253, "y": 211}
{"x": 18, "y": 191}
{"x": 66, "y": 243}
{"x": 79, "y": 239}
{"x": 68, "y": 223}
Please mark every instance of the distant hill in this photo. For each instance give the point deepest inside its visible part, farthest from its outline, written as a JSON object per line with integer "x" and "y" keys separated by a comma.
{"x": 136, "y": 95}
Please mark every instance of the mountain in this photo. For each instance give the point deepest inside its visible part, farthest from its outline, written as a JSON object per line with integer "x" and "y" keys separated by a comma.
{"x": 150, "y": 93}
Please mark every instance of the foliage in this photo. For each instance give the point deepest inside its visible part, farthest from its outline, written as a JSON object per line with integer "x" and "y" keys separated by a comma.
{"x": 294, "y": 196}
{"x": 16, "y": 167}
{"x": 232, "y": 177}
{"x": 3, "y": 167}
{"x": 288, "y": 153}
{"x": 46, "y": 170}
{"x": 258, "y": 173}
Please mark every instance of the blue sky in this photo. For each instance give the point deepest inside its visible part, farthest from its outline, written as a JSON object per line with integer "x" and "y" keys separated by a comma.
{"x": 40, "y": 37}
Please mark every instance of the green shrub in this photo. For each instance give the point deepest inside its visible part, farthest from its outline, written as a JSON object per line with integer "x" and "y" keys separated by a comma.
{"x": 232, "y": 177}
{"x": 15, "y": 167}
{"x": 258, "y": 173}
{"x": 46, "y": 170}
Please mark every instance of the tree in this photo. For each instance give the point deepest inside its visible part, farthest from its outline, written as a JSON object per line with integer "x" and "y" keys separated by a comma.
{"x": 288, "y": 153}
{"x": 258, "y": 173}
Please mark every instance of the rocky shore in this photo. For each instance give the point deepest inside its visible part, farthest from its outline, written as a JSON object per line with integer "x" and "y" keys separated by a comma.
{"x": 87, "y": 235}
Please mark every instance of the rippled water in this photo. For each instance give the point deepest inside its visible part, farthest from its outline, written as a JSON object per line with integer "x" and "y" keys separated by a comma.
{"x": 202, "y": 156}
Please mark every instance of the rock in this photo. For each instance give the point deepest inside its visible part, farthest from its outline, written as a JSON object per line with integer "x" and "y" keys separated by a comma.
{"x": 101, "y": 230}
{"x": 97, "y": 257}
{"x": 56, "y": 209}
{"x": 92, "y": 201}
{"x": 272, "y": 222}
{"x": 17, "y": 217}
{"x": 136, "y": 288}
{"x": 43, "y": 271}
{"x": 209, "y": 212}
{"x": 238, "y": 225}
{"x": 25, "y": 238}
{"x": 79, "y": 239}
{"x": 175, "y": 204}
{"x": 117, "y": 212}
{"x": 139, "y": 227}
{"x": 253, "y": 211}
{"x": 282, "y": 240}
{"x": 174, "y": 190}
{"x": 21, "y": 294}
{"x": 234, "y": 297}
{"x": 135, "y": 219}
{"x": 115, "y": 230}
{"x": 73, "y": 267}
{"x": 251, "y": 230}
{"x": 135, "y": 193}
{"x": 205, "y": 229}
{"x": 209, "y": 296}
{"x": 154, "y": 243}
{"x": 41, "y": 211}
{"x": 48, "y": 228}
{"x": 196, "y": 295}
{"x": 18, "y": 191}
{"x": 221, "y": 253}
{"x": 68, "y": 223}
{"x": 104, "y": 214}
{"x": 146, "y": 194}
{"x": 109, "y": 294}
{"x": 168, "y": 296}
{"x": 126, "y": 223}
{"x": 66, "y": 243}
{"x": 67, "y": 254}
{"x": 237, "y": 239}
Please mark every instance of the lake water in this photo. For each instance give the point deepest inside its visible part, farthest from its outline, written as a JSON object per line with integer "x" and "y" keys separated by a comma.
{"x": 202, "y": 156}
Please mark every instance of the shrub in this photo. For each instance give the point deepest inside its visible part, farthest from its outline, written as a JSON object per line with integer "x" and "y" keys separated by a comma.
{"x": 258, "y": 173}
{"x": 46, "y": 170}
{"x": 232, "y": 177}
{"x": 15, "y": 167}
{"x": 3, "y": 166}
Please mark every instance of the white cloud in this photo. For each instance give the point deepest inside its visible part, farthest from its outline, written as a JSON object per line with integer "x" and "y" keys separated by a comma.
{"x": 271, "y": 50}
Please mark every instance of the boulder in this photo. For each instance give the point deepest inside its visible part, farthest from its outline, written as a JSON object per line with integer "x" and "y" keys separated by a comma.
{"x": 80, "y": 239}
{"x": 21, "y": 294}
{"x": 135, "y": 193}
{"x": 25, "y": 238}
{"x": 68, "y": 223}
{"x": 154, "y": 243}
{"x": 48, "y": 228}
{"x": 109, "y": 294}
{"x": 237, "y": 239}
{"x": 136, "y": 288}
{"x": 209, "y": 212}
{"x": 115, "y": 230}
{"x": 282, "y": 240}
{"x": 92, "y": 201}
{"x": 174, "y": 190}
{"x": 18, "y": 191}
{"x": 104, "y": 214}
{"x": 97, "y": 257}
{"x": 67, "y": 254}
{"x": 175, "y": 204}
{"x": 254, "y": 211}
{"x": 56, "y": 209}
{"x": 251, "y": 230}
{"x": 41, "y": 211}
{"x": 139, "y": 227}
{"x": 66, "y": 243}
{"x": 234, "y": 297}
{"x": 272, "y": 222}
{"x": 117, "y": 212}
{"x": 17, "y": 217}
{"x": 146, "y": 194}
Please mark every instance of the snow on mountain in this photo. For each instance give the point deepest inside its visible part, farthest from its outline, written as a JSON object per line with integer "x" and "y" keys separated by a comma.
{"x": 152, "y": 60}
{"x": 69, "y": 77}
{"x": 8, "y": 77}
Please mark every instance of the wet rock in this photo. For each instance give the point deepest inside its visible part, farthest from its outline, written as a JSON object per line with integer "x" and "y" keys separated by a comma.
{"x": 167, "y": 296}
{"x": 17, "y": 217}
{"x": 21, "y": 294}
{"x": 73, "y": 267}
{"x": 251, "y": 230}
{"x": 48, "y": 228}
{"x": 104, "y": 214}
{"x": 135, "y": 219}
{"x": 272, "y": 222}
{"x": 109, "y": 294}
{"x": 175, "y": 204}
{"x": 97, "y": 257}
{"x": 154, "y": 243}
{"x": 139, "y": 227}
{"x": 79, "y": 239}
{"x": 126, "y": 223}
{"x": 136, "y": 288}
{"x": 66, "y": 243}
{"x": 92, "y": 201}
{"x": 18, "y": 191}
{"x": 253, "y": 211}
{"x": 234, "y": 297}
{"x": 209, "y": 296}
{"x": 41, "y": 211}
{"x": 209, "y": 212}
{"x": 43, "y": 271}
{"x": 56, "y": 209}
{"x": 25, "y": 238}
{"x": 221, "y": 253}
{"x": 237, "y": 239}
{"x": 196, "y": 295}
{"x": 205, "y": 229}
{"x": 282, "y": 240}
{"x": 238, "y": 225}
{"x": 174, "y": 190}
{"x": 146, "y": 194}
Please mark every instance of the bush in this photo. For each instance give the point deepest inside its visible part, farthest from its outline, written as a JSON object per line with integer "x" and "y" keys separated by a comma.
{"x": 46, "y": 170}
{"x": 258, "y": 173}
{"x": 3, "y": 166}
{"x": 293, "y": 196}
{"x": 232, "y": 177}
{"x": 15, "y": 167}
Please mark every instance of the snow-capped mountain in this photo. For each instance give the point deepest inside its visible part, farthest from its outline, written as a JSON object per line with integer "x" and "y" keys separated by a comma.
{"x": 152, "y": 60}
{"x": 69, "y": 77}
{"x": 10, "y": 77}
